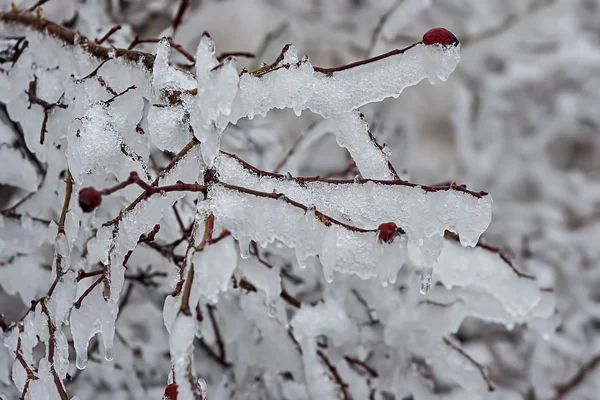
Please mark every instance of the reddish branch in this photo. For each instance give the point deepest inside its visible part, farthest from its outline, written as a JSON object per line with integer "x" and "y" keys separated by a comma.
{"x": 336, "y": 375}
{"x": 51, "y": 352}
{"x": 69, "y": 37}
{"x": 108, "y": 34}
{"x": 47, "y": 107}
{"x": 496, "y": 250}
{"x": 224, "y": 55}
{"x": 356, "y": 362}
{"x": 183, "y": 6}
{"x": 480, "y": 367}
{"x": 174, "y": 45}
{"x": 186, "y": 149}
{"x": 361, "y": 181}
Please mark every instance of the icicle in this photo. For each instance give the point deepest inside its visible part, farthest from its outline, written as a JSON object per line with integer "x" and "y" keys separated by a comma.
{"x": 203, "y": 388}
{"x": 81, "y": 360}
{"x": 426, "y": 274}
{"x": 109, "y": 355}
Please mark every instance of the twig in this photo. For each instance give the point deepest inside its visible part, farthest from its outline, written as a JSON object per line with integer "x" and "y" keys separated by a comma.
{"x": 77, "y": 304}
{"x": 108, "y": 34}
{"x": 361, "y": 181}
{"x": 480, "y": 367}
{"x": 218, "y": 338}
{"x": 496, "y": 250}
{"x": 174, "y": 45}
{"x": 565, "y": 388}
{"x": 224, "y": 55}
{"x": 380, "y": 24}
{"x": 336, "y": 375}
{"x": 183, "y": 6}
{"x": 47, "y": 107}
{"x": 356, "y": 362}
{"x": 39, "y": 3}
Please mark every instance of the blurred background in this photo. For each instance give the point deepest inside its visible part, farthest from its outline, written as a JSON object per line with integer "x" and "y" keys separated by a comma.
{"x": 519, "y": 118}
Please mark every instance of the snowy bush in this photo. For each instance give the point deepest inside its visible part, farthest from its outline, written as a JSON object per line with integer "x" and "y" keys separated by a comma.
{"x": 223, "y": 246}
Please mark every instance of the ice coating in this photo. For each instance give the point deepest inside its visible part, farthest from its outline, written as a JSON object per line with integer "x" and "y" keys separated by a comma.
{"x": 422, "y": 214}
{"x": 352, "y": 133}
{"x": 339, "y": 248}
{"x": 299, "y": 86}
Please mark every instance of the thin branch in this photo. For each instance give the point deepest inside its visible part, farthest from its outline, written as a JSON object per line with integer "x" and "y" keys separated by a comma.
{"x": 586, "y": 369}
{"x": 183, "y": 6}
{"x": 108, "y": 34}
{"x": 77, "y": 304}
{"x": 336, "y": 375}
{"x": 47, "y": 107}
{"x": 218, "y": 338}
{"x": 380, "y": 24}
{"x": 480, "y": 367}
{"x": 361, "y": 181}
{"x": 493, "y": 249}
{"x": 224, "y": 55}
{"x": 39, "y": 3}
{"x": 356, "y": 362}
{"x": 137, "y": 40}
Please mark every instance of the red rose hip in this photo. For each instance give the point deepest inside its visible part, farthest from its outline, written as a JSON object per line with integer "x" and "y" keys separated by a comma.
{"x": 89, "y": 199}
{"x": 440, "y": 36}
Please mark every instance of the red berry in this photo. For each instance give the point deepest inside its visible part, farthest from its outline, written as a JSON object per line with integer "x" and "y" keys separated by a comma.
{"x": 387, "y": 232}
{"x": 89, "y": 199}
{"x": 440, "y": 36}
{"x": 171, "y": 392}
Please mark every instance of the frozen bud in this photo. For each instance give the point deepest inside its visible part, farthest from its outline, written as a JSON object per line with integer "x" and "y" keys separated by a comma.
{"x": 440, "y": 36}
{"x": 170, "y": 392}
{"x": 89, "y": 199}
{"x": 387, "y": 232}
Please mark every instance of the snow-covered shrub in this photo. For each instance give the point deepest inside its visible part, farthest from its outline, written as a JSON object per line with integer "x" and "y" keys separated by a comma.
{"x": 122, "y": 200}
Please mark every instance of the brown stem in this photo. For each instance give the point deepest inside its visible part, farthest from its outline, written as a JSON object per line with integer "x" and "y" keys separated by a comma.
{"x": 108, "y": 34}
{"x": 132, "y": 87}
{"x": 356, "y": 362}
{"x": 496, "y": 250}
{"x": 186, "y": 149}
{"x": 47, "y": 107}
{"x": 565, "y": 388}
{"x": 77, "y": 304}
{"x": 362, "y": 181}
{"x": 480, "y": 367}
{"x": 174, "y": 45}
{"x": 325, "y": 219}
{"x": 218, "y": 338}
{"x": 183, "y": 6}
{"x": 36, "y": 5}
{"x": 336, "y": 375}
{"x": 224, "y": 55}
{"x": 66, "y": 202}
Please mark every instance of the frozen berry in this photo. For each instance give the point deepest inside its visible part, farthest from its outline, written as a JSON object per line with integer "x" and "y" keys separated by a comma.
{"x": 89, "y": 199}
{"x": 171, "y": 392}
{"x": 387, "y": 232}
{"x": 440, "y": 36}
